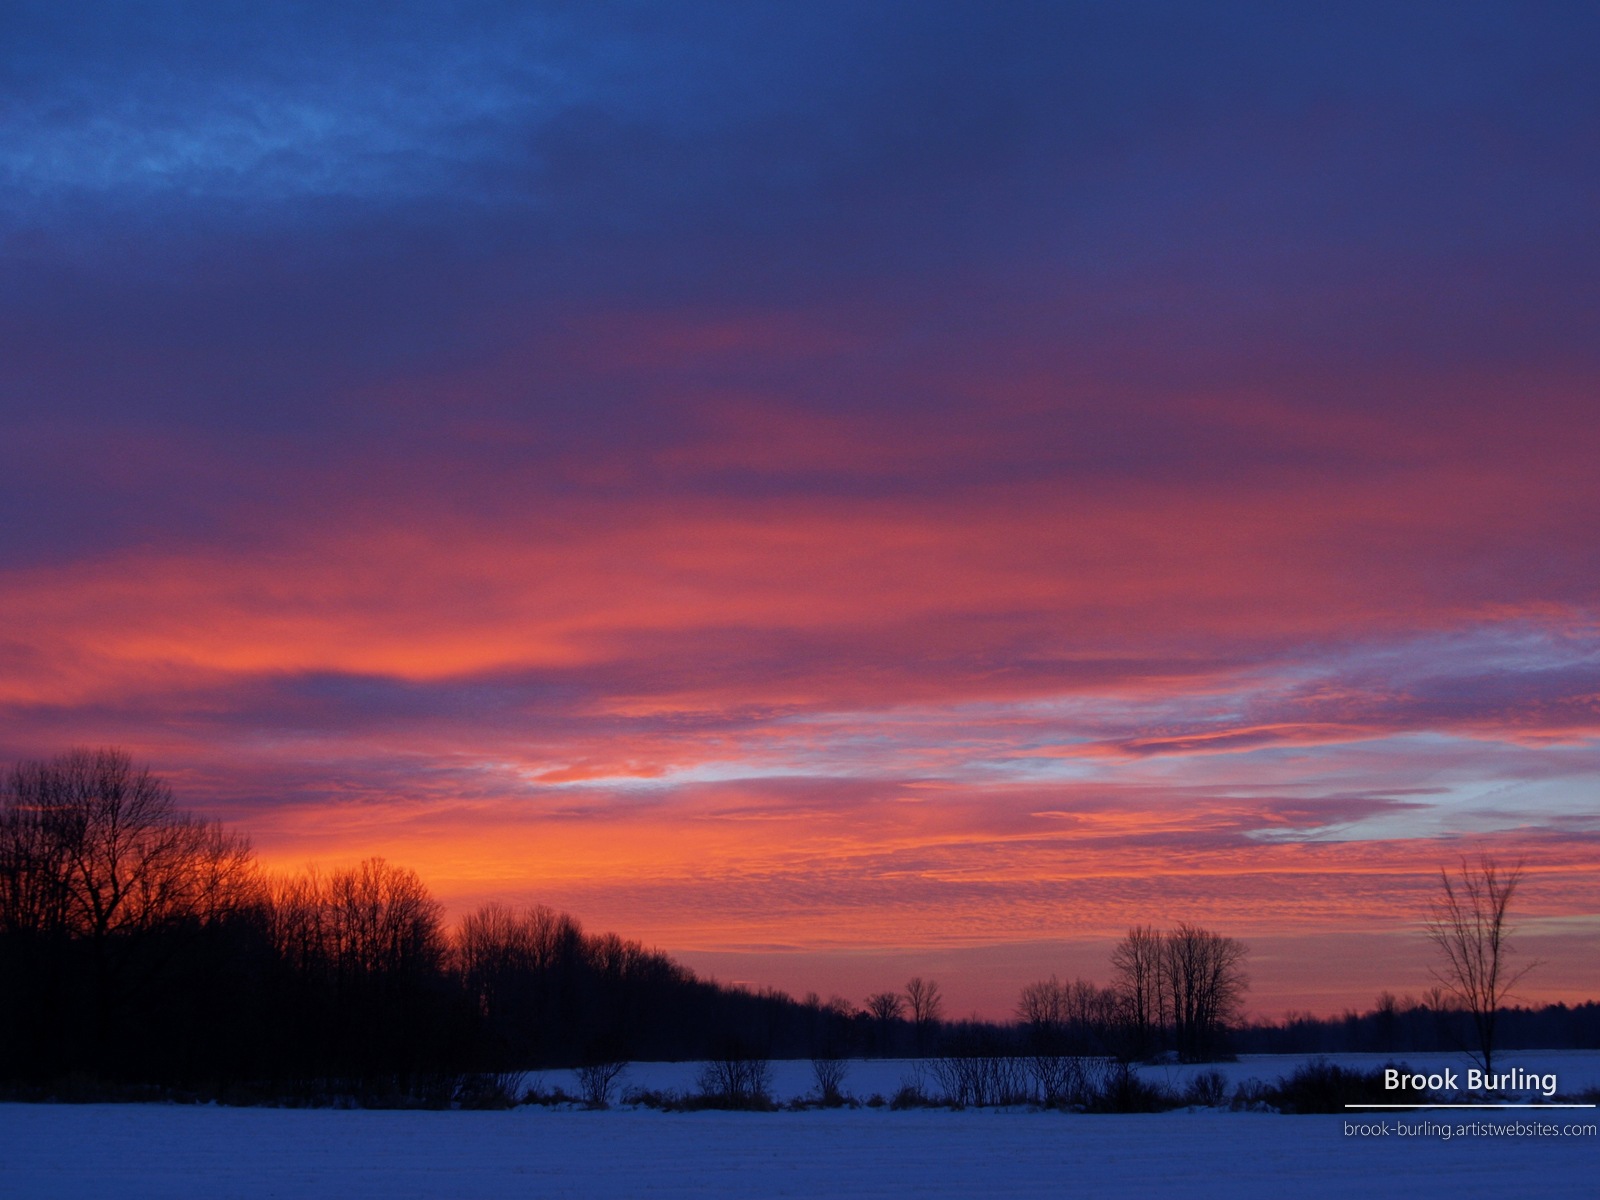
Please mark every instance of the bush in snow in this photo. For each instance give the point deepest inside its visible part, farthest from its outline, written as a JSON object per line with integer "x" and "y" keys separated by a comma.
{"x": 736, "y": 1078}
{"x": 1208, "y": 1089}
{"x": 1324, "y": 1087}
{"x": 598, "y": 1081}
{"x": 829, "y": 1074}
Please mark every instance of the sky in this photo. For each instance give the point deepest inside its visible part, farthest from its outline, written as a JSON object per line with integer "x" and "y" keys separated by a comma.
{"x": 837, "y": 491}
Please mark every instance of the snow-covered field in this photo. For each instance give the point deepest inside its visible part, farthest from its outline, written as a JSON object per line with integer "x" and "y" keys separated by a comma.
{"x": 166, "y": 1150}
{"x": 1576, "y": 1070}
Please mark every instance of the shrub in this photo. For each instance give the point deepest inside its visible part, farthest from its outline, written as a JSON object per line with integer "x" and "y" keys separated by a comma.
{"x": 1252, "y": 1095}
{"x": 1066, "y": 1080}
{"x": 653, "y": 1098}
{"x": 829, "y": 1074}
{"x": 982, "y": 1081}
{"x": 1207, "y": 1089}
{"x": 1052, "y": 1076}
{"x": 598, "y": 1081}
{"x": 910, "y": 1095}
{"x": 736, "y": 1078}
{"x": 1123, "y": 1090}
{"x": 1323, "y": 1087}
{"x": 537, "y": 1094}
{"x": 489, "y": 1089}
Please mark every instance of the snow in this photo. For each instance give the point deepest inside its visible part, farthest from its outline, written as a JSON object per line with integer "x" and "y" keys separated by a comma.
{"x": 139, "y": 1151}
{"x": 1575, "y": 1070}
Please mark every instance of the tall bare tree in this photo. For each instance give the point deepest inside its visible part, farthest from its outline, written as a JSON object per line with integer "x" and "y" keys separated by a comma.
{"x": 93, "y": 846}
{"x": 1042, "y": 1009}
{"x": 1137, "y": 963}
{"x": 94, "y": 851}
{"x": 925, "y": 1005}
{"x": 384, "y": 922}
{"x": 1470, "y": 926}
{"x": 885, "y": 1008}
{"x": 1203, "y": 977}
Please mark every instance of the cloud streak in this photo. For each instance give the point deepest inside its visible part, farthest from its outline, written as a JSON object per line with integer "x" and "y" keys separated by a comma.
{"x": 820, "y": 478}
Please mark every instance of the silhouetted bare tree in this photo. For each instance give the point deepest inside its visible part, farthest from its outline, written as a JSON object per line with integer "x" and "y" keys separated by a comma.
{"x": 1470, "y": 926}
{"x": 384, "y": 923}
{"x": 1067, "y": 1018}
{"x": 91, "y": 845}
{"x": 99, "y": 872}
{"x": 885, "y": 1009}
{"x": 1203, "y": 976}
{"x": 1137, "y": 961}
{"x": 1042, "y": 1009}
{"x": 925, "y": 1005}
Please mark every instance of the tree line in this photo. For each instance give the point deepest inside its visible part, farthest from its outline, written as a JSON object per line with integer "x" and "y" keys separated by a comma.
{"x": 1436, "y": 1021}
{"x": 141, "y": 943}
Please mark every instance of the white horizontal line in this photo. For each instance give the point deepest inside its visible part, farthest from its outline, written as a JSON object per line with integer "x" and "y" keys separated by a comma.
{"x": 1469, "y": 1106}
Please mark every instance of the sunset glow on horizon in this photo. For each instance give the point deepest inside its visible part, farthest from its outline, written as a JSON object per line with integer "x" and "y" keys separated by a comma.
{"x": 832, "y": 497}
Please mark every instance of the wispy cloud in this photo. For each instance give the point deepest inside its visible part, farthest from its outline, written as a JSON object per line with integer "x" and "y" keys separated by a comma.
{"x": 882, "y": 470}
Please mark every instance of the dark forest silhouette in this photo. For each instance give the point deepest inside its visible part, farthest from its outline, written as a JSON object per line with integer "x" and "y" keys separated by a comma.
{"x": 140, "y": 944}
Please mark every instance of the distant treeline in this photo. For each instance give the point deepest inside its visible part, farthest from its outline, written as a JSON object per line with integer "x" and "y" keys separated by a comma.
{"x": 139, "y": 944}
{"x": 1409, "y": 1025}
